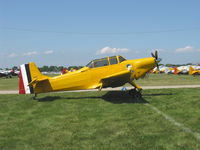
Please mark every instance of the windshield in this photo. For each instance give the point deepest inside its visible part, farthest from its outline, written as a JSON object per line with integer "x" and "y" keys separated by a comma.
{"x": 121, "y": 59}
{"x": 90, "y": 64}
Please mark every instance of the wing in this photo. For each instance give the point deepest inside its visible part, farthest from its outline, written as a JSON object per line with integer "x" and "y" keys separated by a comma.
{"x": 117, "y": 79}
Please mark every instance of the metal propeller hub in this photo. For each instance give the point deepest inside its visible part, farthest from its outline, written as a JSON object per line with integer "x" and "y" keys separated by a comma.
{"x": 158, "y": 60}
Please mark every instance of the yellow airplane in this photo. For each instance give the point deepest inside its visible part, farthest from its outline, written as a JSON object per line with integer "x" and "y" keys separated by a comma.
{"x": 193, "y": 72}
{"x": 101, "y": 73}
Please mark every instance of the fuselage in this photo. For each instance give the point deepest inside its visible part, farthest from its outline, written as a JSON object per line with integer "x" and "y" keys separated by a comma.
{"x": 90, "y": 77}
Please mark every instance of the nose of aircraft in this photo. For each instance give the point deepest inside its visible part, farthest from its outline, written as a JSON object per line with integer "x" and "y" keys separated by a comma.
{"x": 141, "y": 66}
{"x": 144, "y": 65}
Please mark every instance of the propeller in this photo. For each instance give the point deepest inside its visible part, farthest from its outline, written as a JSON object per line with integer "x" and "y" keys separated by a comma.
{"x": 155, "y": 55}
{"x": 157, "y": 60}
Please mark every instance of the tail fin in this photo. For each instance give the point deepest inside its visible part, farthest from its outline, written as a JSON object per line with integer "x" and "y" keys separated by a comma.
{"x": 28, "y": 73}
{"x": 175, "y": 71}
{"x": 191, "y": 69}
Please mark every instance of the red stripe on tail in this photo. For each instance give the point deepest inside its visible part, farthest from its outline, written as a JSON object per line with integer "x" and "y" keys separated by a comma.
{"x": 21, "y": 84}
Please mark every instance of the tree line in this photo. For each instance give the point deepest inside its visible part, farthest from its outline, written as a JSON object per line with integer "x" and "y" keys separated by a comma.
{"x": 57, "y": 68}
{"x": 49, "y": 68}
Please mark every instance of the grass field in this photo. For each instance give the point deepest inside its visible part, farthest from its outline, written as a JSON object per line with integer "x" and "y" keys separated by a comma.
{"x": 151, "y": 80}
{"x": 9, "y": 83}
{"x": 101, "y": 120}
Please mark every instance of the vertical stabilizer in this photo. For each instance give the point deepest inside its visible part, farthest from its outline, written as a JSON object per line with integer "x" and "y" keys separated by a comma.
{"x": 191, "y": 69}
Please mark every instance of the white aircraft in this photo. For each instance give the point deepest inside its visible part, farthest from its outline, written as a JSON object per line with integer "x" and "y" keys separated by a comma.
{"x": 8, "y": 73}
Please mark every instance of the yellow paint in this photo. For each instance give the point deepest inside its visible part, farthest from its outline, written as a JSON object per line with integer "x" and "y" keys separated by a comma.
{"x": 112, "y": 75}
{"x": 193, "y": 72}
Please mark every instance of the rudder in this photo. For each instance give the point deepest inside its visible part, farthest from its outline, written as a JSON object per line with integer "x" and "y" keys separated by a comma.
{"x": 191, "y": 69}
{"x": 24, "y": 79}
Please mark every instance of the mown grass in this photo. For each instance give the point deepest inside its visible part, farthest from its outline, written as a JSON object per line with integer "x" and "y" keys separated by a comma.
{"x": 171, "y": 79}
{"x": 9, "y": 83}
{"x": 100, "y": 120}
{"x": 151, "y": 80}
{"x": 12, "y": 83}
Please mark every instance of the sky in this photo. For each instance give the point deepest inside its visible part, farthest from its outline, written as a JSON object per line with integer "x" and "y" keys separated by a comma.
{"x": 73, "y": 32}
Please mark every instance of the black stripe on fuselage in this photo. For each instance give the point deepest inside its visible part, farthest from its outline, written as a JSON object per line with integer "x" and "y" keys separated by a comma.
{"x": 29, "y": 77}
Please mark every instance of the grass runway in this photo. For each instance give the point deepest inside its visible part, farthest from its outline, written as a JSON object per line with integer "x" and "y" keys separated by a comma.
{"x": 100, "y": 120}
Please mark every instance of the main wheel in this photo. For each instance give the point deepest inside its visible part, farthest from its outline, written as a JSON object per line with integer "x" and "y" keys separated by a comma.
{"x": 135, "y": 94}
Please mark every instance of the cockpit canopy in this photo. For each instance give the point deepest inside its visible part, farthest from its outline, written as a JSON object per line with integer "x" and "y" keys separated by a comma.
{"x": 105, "y": 61}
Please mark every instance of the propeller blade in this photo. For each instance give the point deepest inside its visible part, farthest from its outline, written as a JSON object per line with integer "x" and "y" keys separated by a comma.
{"x": 152, "y": 55}
{"x": 156, "y": 55}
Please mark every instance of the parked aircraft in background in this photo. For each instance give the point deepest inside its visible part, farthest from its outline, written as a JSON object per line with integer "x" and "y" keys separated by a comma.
{"x": 163, "y": 69}
{"x": 8, "y": 73}
{"x": 177, "y": 70}
{"x": 183, "y": 69}
{"x": 194, "y": 71}
{"x": 186, "y": 69}
{"x": 101, "y": 73}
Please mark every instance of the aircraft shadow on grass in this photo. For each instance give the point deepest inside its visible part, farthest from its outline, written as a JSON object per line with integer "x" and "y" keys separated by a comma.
{"x": 121, "y": 97}
{"x": 53, "y": 98}
{"x": 115, "y": 97}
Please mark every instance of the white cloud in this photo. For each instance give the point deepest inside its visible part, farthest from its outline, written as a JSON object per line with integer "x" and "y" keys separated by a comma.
{"x": 30, "y": 53}
{"x": 12, "y": 55}
{"x": 187, "y": 49}
{"x": 48, "y": 52}
{"x": 108, "y": 49}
